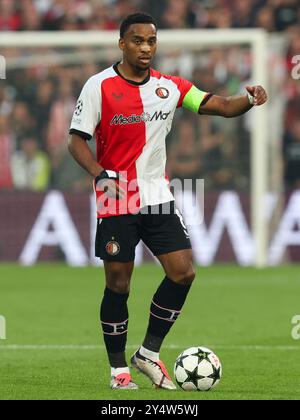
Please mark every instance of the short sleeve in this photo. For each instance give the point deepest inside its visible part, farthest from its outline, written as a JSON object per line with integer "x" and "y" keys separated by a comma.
{"x": 183, "y": 86}
{"x": 87, "y": 113}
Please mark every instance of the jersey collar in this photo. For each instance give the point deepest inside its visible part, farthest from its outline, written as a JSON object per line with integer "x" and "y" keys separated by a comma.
{"x": 132, "y": 82}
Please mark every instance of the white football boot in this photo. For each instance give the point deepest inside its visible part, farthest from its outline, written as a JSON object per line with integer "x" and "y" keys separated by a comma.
{"x": 155, "y": 371}
{"x": 122, "y": 381}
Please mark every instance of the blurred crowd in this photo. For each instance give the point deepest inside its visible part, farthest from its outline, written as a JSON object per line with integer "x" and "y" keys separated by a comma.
{"x": 34, "y": 15}
{"x": 37, "y": 102}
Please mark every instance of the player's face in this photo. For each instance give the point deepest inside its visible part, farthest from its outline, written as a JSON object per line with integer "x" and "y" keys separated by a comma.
{"x": 139, "y": 45}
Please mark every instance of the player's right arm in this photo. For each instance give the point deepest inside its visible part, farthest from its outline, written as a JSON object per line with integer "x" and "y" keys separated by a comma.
{"x": 85, "y": 119}
{"x": 83, "y": 155}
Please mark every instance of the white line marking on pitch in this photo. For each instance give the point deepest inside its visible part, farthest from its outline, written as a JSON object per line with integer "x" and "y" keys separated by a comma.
{"x": 132, "y": 347}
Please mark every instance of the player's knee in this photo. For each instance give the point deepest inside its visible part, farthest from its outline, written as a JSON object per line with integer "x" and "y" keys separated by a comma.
{"x": 118, "y": 281}
{"x": 119, "y": 285}
{"x": 188, "y": 277}
{"x": 184, "y": 275}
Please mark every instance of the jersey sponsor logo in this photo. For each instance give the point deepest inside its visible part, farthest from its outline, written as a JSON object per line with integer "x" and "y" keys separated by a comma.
{"x": 112, "y": 248}
{"x": 136, "y": 119}
{"x": 162, "y": 93}
{"x": 79, "y": 107}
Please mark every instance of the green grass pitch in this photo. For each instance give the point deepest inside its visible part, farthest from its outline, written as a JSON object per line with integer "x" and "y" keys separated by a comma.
{"x": 54, "y": 348}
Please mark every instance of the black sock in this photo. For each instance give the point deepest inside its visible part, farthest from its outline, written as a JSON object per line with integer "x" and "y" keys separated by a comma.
{"x": 165, "y": 309}
{"x": 114, "y": 320}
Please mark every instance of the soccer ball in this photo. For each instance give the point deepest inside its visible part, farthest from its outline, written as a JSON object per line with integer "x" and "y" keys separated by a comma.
{"x": 197, "y": 369}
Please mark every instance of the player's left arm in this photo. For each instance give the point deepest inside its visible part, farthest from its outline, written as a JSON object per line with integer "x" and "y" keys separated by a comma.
{"x": 234, "y": 106}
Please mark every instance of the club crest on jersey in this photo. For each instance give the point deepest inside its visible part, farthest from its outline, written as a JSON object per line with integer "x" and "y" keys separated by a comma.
{"x": 112, "y": 248}
{"x": 162, "y": 93}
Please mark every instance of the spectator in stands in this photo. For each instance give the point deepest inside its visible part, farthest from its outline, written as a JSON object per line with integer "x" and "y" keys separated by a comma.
{"x": 66, "y": 174}
{"x": 223, "y": 18}
{"x": 243, "y": 13}
{"x": 278, "y": 15}
{"x": 55, "y": 14}
{"x": 41, "y": 107}
{"x": 21, "y": 120}
{"x": 6, "y": 151}
{"x": 265, "y": 19}
{"x": 292, "y": 155}
{"x": 9, "y": 18}
{"x": 6, "y": 103}
{"x": 30, "y": 18}
{"x": 101, "y": 19}
{"x": 218, "y": 154}
{"x": 60, "y": 114}
{"x": 184, "y": 154}
{"x": 123, "y": 8}
{"x": 286, "y": 13}
{"x": 30, "y": 167}
{"x": 175, "y": 15}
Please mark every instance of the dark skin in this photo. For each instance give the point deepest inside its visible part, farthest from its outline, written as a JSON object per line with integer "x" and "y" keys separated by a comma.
{"x": 139, "y": 47}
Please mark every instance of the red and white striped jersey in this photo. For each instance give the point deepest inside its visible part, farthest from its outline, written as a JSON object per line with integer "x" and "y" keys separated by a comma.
{"x": 130, "y": 122}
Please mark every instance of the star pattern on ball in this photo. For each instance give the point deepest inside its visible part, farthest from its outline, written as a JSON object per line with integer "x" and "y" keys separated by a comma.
{"x": 79, "y": 107}
{"x": 181, "y": 359}
{"x": 191, "y": 376}
{"x": 203, "y": 355}
{"x": 216, "y": 375}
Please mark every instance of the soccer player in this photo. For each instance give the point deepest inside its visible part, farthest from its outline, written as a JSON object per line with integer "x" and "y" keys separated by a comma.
{"x": 129, "y": 108}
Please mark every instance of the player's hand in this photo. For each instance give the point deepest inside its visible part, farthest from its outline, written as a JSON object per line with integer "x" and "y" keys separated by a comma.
{"x": 111, "y": 189}
{"x": 258, "y": 94}
{"x": 106, "y": 182}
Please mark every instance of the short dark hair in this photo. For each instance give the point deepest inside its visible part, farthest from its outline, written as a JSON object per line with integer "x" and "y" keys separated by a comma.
{"x": 135, "y": 18}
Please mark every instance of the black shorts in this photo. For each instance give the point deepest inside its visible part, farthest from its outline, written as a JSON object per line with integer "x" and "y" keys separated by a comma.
{"x": 118, "y": 236}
